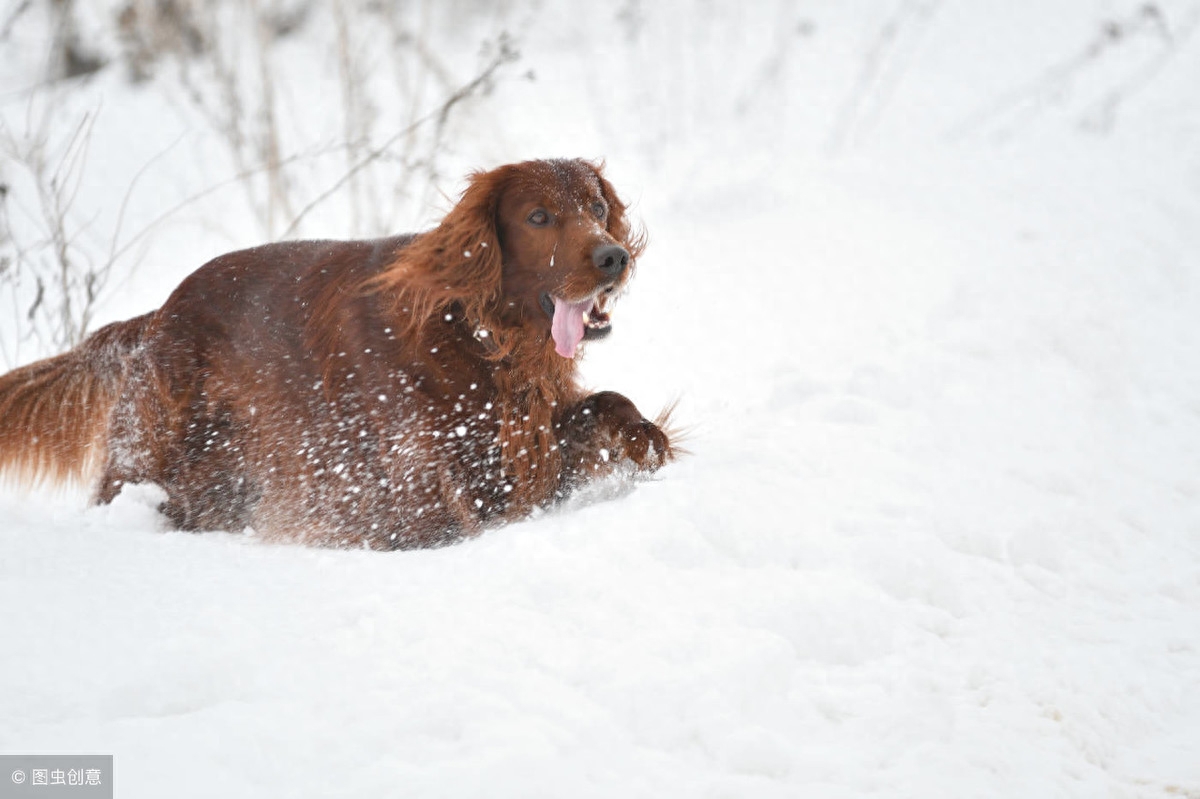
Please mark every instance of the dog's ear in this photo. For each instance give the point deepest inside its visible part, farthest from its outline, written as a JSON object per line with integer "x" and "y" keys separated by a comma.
{"x": 458, "y": 262}
{"x": 470, "y": 241}
{"x": 632, "y": 237}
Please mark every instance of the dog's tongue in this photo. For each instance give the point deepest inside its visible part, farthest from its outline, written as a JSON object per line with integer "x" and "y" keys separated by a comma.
{"x": 567, "y": 325}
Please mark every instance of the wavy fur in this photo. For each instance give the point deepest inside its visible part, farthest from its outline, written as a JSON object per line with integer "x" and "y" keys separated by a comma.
{"x": 54, "y": 413}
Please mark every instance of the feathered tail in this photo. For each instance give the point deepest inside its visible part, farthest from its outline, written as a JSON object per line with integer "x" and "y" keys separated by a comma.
{"x": 54, "y": 413}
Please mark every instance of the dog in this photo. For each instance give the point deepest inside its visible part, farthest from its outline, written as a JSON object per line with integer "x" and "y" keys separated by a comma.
{"x": 390, "y": 393}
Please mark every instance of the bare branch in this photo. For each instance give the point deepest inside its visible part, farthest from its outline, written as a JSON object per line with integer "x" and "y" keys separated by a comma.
{"x": 441, "y": 115}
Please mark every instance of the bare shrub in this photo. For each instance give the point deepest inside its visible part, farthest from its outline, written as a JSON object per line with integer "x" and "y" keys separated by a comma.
{"x": 1148, "y": 27}
{"x": 48, "y": 277}
{"x": 374, "y": 144}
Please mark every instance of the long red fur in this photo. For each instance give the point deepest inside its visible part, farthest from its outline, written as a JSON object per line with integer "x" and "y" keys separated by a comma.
{"x": 388, "y": 393}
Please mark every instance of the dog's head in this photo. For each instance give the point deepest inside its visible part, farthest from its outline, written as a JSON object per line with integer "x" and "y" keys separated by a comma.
{"x": 568, "y": 248}
{"x": 538, "y": 248}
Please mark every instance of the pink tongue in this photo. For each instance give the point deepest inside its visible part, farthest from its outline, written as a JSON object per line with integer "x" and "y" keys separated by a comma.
{"x": 567, "y": 326}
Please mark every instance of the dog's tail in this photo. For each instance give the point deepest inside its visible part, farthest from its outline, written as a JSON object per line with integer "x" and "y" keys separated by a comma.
{"x": 54, "y": 413}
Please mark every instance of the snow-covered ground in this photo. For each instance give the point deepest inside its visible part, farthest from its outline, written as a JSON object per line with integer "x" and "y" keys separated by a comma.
{"x": 925, "y": 279}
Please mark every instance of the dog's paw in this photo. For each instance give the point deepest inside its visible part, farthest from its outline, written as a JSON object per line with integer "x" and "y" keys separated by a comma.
{"x": 606, "y": 432}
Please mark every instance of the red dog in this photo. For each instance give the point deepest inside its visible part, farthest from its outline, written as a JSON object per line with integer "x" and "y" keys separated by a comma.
{"x": 394, "y": 393}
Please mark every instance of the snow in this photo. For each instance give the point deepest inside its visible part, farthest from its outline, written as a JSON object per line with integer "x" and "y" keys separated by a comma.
{"x": 938, "y": 533}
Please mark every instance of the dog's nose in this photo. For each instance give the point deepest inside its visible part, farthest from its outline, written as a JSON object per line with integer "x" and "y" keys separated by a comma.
{"x": 611, "y": 259}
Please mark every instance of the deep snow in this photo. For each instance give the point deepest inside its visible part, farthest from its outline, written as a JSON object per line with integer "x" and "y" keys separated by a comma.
{"x": 939, "y": 533}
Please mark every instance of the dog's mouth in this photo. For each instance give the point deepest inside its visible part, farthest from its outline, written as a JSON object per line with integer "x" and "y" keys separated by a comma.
{"x": 572, "y": 322}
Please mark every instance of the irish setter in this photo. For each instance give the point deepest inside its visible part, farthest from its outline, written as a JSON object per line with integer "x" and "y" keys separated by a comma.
{"x": 395, "y": 393}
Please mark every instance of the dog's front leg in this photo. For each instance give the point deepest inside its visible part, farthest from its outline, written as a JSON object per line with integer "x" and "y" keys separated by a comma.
{"x": 605, "y": 433}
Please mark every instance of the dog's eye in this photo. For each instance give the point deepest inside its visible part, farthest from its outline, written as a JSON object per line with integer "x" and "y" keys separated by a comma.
{"x": 539, "y": 218}
{"x": 599, "y": 209}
